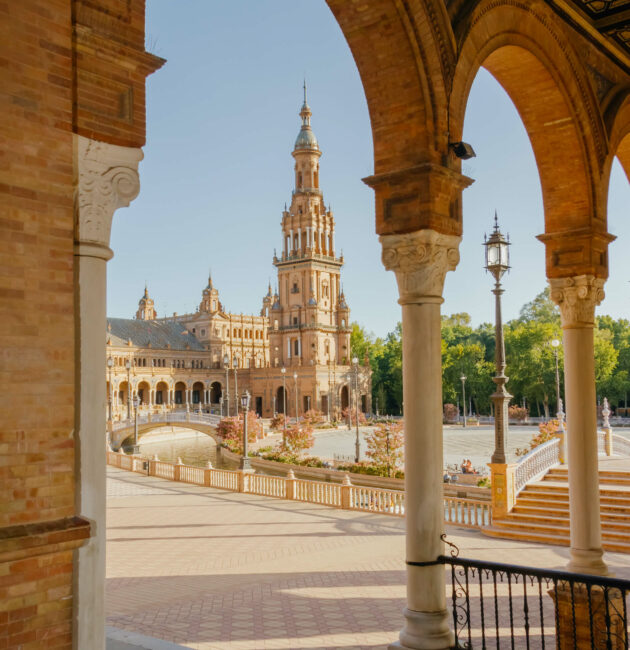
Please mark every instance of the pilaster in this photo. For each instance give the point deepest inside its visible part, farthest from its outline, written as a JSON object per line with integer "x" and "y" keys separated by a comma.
{"x": 577, "y": 298}
{"x": 106, "y": 178}
{"x": 421, "y": 260}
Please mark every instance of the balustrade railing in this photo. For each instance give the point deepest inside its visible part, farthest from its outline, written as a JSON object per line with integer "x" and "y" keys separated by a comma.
{"x": 268, "y": 486}
{"x": 620, "y": 445}
{"x": 469, "y": 513}
{"x": 601, "y": 442}
{"x": 509, "y": 606}
{"x": 536, "y": 463}
{"x": 325, "y": 494}
{"x": 386, "y": 502}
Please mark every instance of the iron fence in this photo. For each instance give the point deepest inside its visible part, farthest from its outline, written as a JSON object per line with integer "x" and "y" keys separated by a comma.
{"x": 496, "y": 605}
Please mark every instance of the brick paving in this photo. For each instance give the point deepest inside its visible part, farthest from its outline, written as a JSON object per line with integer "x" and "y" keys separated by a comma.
{"x": 209, "y": 569}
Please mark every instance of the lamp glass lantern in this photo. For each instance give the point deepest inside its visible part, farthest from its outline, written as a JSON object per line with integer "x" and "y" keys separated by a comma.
{"x": 245, "y": 397}
{"x": 110, "y": 362}
{"x": 226, "y": 361}
{"x": 497, "y": 252}
{"x": 128, "y": 364}
{"x": 136, "y": 402}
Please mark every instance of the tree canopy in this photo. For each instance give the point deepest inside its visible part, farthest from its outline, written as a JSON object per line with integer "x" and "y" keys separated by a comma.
{"x": 530, "y": 358}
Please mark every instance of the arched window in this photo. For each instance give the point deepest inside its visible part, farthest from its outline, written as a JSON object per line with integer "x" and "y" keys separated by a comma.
{"x": 299, "y": 179}
{"x": 296, "y": 347}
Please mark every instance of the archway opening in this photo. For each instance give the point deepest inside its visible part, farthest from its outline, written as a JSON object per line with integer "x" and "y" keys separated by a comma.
{"x": 216, "y": 392}
{"x": 345, "y": 397}
{"x": 281, "y": 400}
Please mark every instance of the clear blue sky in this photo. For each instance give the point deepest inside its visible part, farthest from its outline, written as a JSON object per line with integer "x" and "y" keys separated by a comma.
{"x": 222, "y": 117}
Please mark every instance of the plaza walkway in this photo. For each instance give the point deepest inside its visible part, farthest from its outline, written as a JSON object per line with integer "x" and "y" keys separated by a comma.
{"x": 218, "y": 570}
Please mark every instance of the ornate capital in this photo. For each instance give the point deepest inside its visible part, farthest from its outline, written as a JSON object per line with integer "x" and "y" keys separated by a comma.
{"x": 420, "y": 260}
{"x": 107, "y": 179}
{"x": 577, "y": 298}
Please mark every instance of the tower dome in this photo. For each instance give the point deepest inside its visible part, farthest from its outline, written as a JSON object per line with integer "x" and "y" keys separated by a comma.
{"x": 306, "y": 138}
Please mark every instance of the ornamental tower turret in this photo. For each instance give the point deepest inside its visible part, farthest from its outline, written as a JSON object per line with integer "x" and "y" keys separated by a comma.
{"x": 305, "y": 327}
{"x": 146, "y": 310}
{"x": 210, "y": 298}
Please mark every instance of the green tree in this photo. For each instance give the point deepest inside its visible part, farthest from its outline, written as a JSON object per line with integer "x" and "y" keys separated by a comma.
{"x": 541, "y": 309}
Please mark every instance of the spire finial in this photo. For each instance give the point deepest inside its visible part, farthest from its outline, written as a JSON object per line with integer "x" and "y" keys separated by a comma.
{"x": 496, "y": 220}
{"x": 146, "y": 290}
{"x": 305, "y": 89}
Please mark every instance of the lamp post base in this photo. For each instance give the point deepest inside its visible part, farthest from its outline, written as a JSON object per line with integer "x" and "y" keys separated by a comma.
{"x": 245, "y": 464}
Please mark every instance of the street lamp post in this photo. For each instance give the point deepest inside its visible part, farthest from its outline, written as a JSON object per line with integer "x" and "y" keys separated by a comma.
{"x": 221, "y": 405}
{"x": 273, "y": 401}
{"x": 463, "y": 380}
{"x": 235, "y": 366}
{"x": 357, "y": 448}
{"x": 555, "y": 344}
{"x": 284, "y": 407}
{"x": 245, "y": 464}
{"x": 128, "y": 366}
{"x": 226, "y": 363}
{"x": 498, "y": 262}
{"x": 136, "y": 403}
{"x": 110, "y": 363}
{"x": 296, "y": 396}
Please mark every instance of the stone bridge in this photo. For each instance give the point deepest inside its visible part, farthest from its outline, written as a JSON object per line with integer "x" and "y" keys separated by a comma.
{"x": 202, "y": 422}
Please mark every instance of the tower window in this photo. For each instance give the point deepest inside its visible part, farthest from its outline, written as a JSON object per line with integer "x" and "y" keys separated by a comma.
{"x": 300, "y": 181}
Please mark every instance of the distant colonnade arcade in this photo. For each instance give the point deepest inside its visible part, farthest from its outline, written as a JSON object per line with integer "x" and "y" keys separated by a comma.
{"x": 82, "y": 70}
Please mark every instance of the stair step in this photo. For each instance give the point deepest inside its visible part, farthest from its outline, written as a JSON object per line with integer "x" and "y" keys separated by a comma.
{"x": 558, "y": 539}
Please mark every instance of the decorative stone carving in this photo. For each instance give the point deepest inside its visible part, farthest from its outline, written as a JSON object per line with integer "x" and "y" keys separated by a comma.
{"x": 577, "y": 298}
{"x": 420, "y": 260}
{"x": 107, "y": 180}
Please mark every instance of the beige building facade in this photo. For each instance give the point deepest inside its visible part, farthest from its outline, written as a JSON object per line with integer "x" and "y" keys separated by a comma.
{"x": 296, "y": 350}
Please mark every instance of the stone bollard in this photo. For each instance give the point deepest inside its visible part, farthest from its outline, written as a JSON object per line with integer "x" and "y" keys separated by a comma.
{"x": 243, "y": 480}
{"x": 176, "y": 469}
{"x": 588, "y": 617}
{"x": 207, "y": 475}
{"x": 346, "y": 486}
{"x": 608, "y": 441}
{"x": 502, "y": 486}
{"x": 291, "y": 485}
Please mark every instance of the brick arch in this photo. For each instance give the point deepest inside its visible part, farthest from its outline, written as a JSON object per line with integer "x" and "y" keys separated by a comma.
{"x": 549, "y": 87}
{"x": 405, "y": 53}
{"x": 618, "y": 119}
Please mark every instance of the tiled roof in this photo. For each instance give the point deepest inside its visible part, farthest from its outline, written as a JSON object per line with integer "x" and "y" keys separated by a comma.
{"x": 158, "y": 333}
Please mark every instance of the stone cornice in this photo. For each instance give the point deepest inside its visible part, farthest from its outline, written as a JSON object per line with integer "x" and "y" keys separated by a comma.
{"x": 107, "y": 179}
{"x": 420, "y": 260}
{"x": 577, "y": 298}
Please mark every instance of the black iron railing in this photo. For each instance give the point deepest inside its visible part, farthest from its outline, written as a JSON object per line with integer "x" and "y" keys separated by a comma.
{"x": 497, "y": 605}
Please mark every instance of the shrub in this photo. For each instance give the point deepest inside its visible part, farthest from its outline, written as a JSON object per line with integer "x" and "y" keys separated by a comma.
{"x": 313, "y": 417}
{"x": 546, "y": 431}
{"x": 277, "y": 422}
{"x": 298, "y": 438}
{"x": 483, "y": 482}
{"x": 385, "y": 446}
{"x": 451, "y": 413}
{"x": 518, "y": 413}
{"x": 231, "y": 431}
{"x": 370, "y": 469}
{"x": 353, "y": 416}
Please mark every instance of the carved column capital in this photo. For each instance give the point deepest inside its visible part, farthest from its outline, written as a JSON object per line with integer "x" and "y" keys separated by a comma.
{"x": 107, "y": 179}
{"x": 577, "y": 298}
{"x": 420, "y": 260}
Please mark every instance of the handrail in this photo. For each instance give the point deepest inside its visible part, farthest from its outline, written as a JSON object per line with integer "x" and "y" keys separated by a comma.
{"x": 621, "y": 444}
{"x": 469, "y": 513}
{"x": 536, "y": 463}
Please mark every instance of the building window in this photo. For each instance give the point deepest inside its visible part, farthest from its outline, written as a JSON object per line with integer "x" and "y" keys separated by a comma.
{"x": 178, "y": 397}
{"x": 295, "y": 320}
{"x": 203, "y": 332}
{"x": 296, "y": 348}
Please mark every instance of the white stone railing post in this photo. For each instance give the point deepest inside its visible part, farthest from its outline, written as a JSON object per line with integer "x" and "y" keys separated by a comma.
{"x": 106, "y": 179}
{"x": 577, "y": 298}
{"x": 421, "y": 260}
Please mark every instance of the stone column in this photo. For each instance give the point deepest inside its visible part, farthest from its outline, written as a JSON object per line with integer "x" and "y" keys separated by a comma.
{"x": 106, "y": 178}
{"x": 577, "y": 298}
{"x": 420, "y": 260}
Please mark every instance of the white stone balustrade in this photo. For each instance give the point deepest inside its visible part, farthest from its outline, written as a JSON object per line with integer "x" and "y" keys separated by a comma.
{"x": 469, "y": 513}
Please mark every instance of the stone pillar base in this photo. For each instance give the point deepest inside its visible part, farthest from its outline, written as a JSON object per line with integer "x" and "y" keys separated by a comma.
{"x": 426, "y": 631}
{"x": 588, "y": 561}
{"x": 573, "y": 610}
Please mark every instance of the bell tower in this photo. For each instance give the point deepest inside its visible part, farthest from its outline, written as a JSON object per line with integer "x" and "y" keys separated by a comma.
{"x": 305, "y": 326}
{"x": 146, "y": 309}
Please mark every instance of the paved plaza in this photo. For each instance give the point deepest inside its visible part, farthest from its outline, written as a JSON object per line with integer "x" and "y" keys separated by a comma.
{"x": 209, "y": 569}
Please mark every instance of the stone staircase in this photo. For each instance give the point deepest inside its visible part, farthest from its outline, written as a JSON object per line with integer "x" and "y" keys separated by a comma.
{"x": 541, "y": 512}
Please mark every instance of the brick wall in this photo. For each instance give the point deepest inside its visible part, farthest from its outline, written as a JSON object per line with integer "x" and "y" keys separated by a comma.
{"x": 36, "y": 316}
